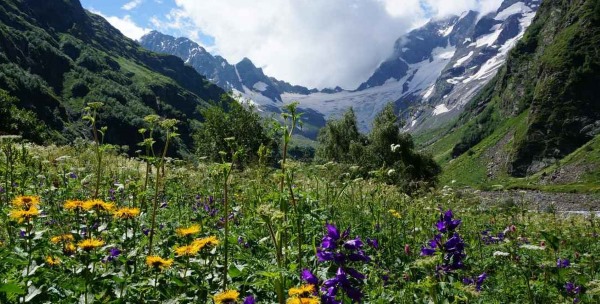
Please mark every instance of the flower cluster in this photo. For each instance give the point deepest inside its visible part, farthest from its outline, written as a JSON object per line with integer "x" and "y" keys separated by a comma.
{"x": 25, "y": 208}
{"x": 573, "y": 290}
{"x": 563, "y": 263}
{"x": 489, "y": 238}
{"x": 341, "y": 250}
{"x": 453, "y": 248}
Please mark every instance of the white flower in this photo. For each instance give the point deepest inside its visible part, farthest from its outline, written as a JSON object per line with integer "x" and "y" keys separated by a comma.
{"x": 391, "y": 172}
{"x": 395, "y": 147}
{"x": 532, "y": 247}
{"x": 501, "y": 253}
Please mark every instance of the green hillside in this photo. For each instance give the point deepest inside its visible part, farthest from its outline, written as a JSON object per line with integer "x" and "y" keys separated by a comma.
{"x": 538, "y": 116}
{"x": 50, "y": 68}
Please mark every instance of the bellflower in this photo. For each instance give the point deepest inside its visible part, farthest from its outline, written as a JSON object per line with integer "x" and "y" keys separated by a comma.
{"x": 563, "y": 263}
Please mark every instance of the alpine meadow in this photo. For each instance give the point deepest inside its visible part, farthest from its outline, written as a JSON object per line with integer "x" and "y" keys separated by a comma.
{"x": 141, "y": 167}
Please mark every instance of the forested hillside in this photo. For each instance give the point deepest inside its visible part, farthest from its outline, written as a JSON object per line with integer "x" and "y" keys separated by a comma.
{"x": 50, "y": 68}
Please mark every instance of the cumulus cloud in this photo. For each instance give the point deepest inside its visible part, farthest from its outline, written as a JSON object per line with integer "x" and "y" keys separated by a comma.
{"x": 125, "y": 25}
{"x": 131, "y": 5}
{"x": 320, "y": 43}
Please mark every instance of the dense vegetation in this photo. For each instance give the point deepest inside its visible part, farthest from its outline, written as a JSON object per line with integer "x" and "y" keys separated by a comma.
{"x": 52, "y": 67}
{"x": 385, "y": 148}
{"x": 82, "y": 228}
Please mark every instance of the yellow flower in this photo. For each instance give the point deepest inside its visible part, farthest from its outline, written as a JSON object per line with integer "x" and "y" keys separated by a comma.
{"x": 65, "y": 238}
{"x": 309, "y": 300}
{"x": 189, "y": 250}
{"x": 69, "y": 249}
{"x": 158, "y": 262}
{"x": 395, "y": 213}
{"x": 26, "y": 201}
{"x": 52, "y": 261}
{"x": 228, "y": 296}
{"x": 303, "y": 291}
{"x": 127, "y": 213}
{"x": 21, "y": 215}
{"x": 188, "y": 230}
{"x": 74, "y": 205}
{"x": 90, "y": 244}
{"x": 207, "y": 241}
{"x": 98, "y": 205}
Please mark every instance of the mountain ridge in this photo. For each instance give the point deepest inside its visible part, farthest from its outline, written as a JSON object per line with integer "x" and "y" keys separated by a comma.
{"x": 52, "y": 67}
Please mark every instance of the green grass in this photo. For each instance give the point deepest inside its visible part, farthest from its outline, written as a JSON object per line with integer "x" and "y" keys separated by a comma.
{"x": 470, "y": 169}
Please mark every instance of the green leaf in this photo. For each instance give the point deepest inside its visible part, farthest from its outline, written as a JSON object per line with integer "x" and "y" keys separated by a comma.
{"x": 233, "y": 271}
{"x": 11, "y": 288}
{"x": 553, "y": 241}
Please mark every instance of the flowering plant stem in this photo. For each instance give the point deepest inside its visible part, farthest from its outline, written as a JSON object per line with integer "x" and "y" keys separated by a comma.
{"x": 156, "y": 192}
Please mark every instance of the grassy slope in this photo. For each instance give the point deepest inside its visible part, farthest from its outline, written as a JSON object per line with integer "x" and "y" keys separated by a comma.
{"x": 528, "y": 116}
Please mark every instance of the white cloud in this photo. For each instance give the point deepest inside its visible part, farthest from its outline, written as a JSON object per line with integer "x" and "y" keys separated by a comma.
{"x": 131, "y": 5}
{"x": 125, "y": 25}
{"x": 319, "y": 43}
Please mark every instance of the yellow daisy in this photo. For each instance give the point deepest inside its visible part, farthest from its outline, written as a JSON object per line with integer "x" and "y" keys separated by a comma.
{"x": 225, "y": 297}
{"x": 302, "y": 291}
{"x": 309, "y": 300}
{"x": 158, "y": 262}
{"x": 21, "y": 215}
{"x": 207, "y": 241}
{"x": 74, "y": 205}
{"x": 127, "y": 213}
{"x": 189, "y": 250}
{"x": 26, "y": 201}
{"x": 90, "y": 244}
{"x": 98, "y": 205}
{"x": 52, "y": 261}
{"x": 64, "y": 238}
{"x": 69, "y": 249}
{"x": 194, "y": 229}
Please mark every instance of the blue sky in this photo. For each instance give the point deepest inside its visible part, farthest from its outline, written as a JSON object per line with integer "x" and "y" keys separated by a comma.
{"x": 141, "y": 14}
{"x": 314, "y": 43}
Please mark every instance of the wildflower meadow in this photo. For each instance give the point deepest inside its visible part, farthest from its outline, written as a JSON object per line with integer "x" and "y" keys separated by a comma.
{"x": 87, "y": 223}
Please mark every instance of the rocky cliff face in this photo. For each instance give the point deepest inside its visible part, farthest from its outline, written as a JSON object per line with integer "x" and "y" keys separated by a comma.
{"x": 548, "y": 86}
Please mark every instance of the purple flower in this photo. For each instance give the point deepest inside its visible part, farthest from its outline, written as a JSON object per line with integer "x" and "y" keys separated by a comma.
{"x": 113, "y": 253}
{"x": 373, "y": 243}
{"x": 249, "y": 300}
{"x": 22, "y": 233}
{"x": 446, "y": 223}
{"x": 480, "y": 280}
{"x": 353, "y": 244}
{"x": 309, "y": 277}
{"x": 572, "y": 288}
{"x": 452, "y": 249}
{"x": 332, "y": 232}
{"x": 328, "y": 243}
{"x": 563, "y": 263}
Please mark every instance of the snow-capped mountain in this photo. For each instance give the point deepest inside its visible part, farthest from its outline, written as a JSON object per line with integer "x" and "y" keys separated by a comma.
{"x": 432, "y": 73}
{"x": 242, "y": 78}
{"x": 434, "y": 70}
